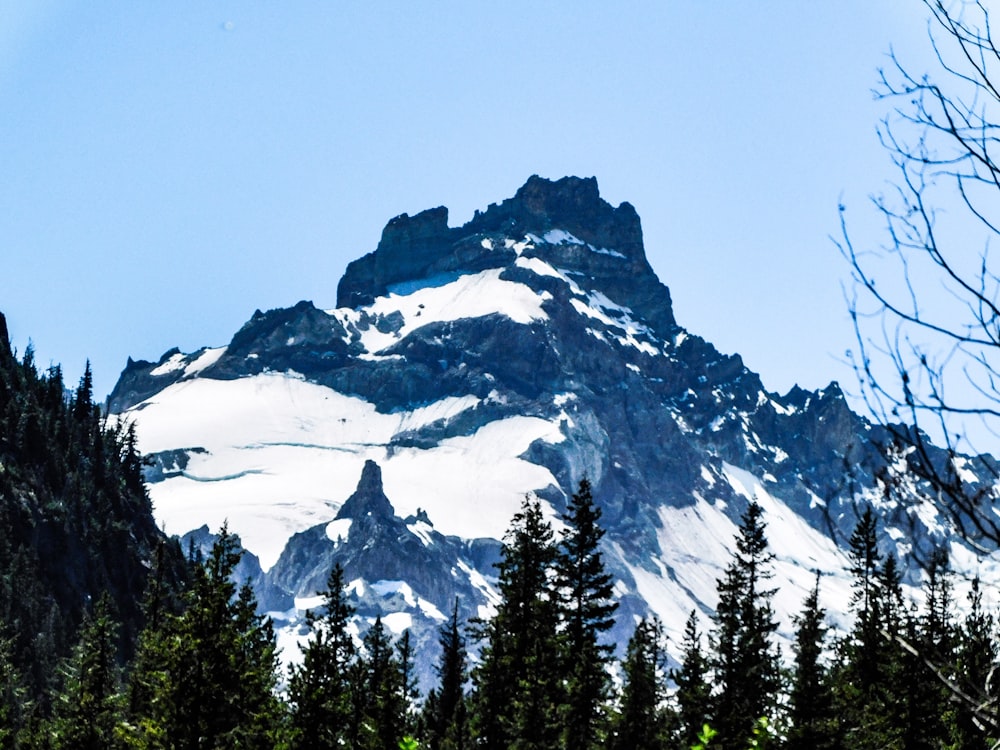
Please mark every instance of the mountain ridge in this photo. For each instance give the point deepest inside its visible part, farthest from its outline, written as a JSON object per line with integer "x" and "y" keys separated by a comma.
{"x": 517, "y": 353}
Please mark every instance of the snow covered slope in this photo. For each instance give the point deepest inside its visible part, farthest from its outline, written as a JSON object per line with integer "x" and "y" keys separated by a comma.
{"x": 516, "y": 354}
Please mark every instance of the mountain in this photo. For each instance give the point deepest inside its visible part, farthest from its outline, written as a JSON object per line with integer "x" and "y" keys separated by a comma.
{"x": 463, "y": 367}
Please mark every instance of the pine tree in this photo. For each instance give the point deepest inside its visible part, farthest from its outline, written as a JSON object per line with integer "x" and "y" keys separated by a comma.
{"x": 209, "y": 673}
{"x": 587, "y": 612}
{"x": 977, "y": 660}
{"x": 694, "y": 690}
{"x": 865, "y": 639}
{"x": 88, "y": 708}
{"x": 407, "y": 686}
{"x": 869, "y": 689}
{"x": 518, "y": 686}
{"x": 83, "y": 401}
{"x": 15, "y": 705}
{"x": 930, "y": 659}
{"x": 745, "y": 661}
{"x": 319, "y": 690}
{"x": 380, "y": 702}
{"x": 811, "y": 698}
{"x": 446, "y": 710}
{"x": 641, "y": 720}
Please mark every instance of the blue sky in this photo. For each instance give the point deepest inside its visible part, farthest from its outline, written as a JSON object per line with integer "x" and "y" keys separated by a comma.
{"x": 166, "y": 168}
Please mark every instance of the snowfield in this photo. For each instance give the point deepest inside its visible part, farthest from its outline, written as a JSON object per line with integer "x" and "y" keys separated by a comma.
{"x": 282, "y": 455}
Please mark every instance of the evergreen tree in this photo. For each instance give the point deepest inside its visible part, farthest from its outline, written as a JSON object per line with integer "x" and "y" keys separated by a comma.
{"x": 694, "y": 690}
{"x": 15, "y": 705}
{"x": 209, "y": 673}
{"x": 409, "y": 694}
{"x": 745, "y": 661}
{"x": 928, "y": 660}
{"x": 976, "y": 724}
{"x": 518, "y": 687}
{"x": 870, "y": 694}
{"x": 319, "y": 690}
{"x": 811, "y": 698}
{"x": 446, "y": 710}
{"x": 88, "y": 708}
{"x": 865, "y": 639}
{"x": 587, "y": 612}
{"x": 380, "y": 701}
{"x": 83, "y": 401}
{"x": 641, "y": 720}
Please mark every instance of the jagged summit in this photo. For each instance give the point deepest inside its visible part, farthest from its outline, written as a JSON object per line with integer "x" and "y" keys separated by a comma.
{"x": 572, "y": 204}
{"x": 369, "y": 498}
{"x": 566, "y": 222}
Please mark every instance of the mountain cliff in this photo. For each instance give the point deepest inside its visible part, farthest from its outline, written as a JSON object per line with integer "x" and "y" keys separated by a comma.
{"x": 466, "y": 366}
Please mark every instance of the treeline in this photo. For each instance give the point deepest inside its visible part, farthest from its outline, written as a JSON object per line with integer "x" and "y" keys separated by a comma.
{"x": 206, "y": 673}
{"x": 75, "y": 522}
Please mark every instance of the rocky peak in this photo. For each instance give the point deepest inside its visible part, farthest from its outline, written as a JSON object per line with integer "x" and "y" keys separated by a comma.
{"x": 574, "y": 228}
{"x": 369, "y": 498}
{"x": 572, "y": 204}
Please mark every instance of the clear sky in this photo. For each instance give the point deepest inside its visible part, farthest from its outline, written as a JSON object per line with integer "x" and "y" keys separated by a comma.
{"x": 166, "y": 168}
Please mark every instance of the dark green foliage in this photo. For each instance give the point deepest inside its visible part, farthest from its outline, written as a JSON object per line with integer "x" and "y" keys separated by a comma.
{"x": 745, "y": 661}
{"x": 518, "y": 686}
{"x": 976, "y": 658}
{"x": 864, "y": 643}
{"x": 587, "y": 612}
{"x": 446, "y": 708}
{"x": 88, "y": 707}
{"x": 319, "y": 689}
{"x": 693, "y": 696}
{"x": 870, "y": 696}
{"x": 641, "y": 720}
{"x": 928, "y": 660}
{"x": 209, "y": 674}
{"x": 810, "y": 710}
{"x": 381, "y": 691}
{"x": 75, "y": 515}
{"x": 15, "y": 705}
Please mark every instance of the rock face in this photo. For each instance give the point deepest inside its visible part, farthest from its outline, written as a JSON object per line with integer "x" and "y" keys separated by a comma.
{"x": 424, "y": 246}
{"x": 518, "y": 353}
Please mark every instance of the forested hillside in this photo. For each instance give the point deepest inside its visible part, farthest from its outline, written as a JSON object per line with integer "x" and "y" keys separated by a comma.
{"x": 76, "y": 521}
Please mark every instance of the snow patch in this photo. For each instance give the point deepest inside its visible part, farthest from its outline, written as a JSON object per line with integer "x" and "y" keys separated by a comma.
{"x": 357, "y": 587}
{"x": 305, "y": 603}
{"x": 390, "y": 588}
{"x": 422, "y": 530}
{"x": 398, "y": 622}
{"x": 598, "y": 306}
{"x": 466, "y": 296}
{"x": 539, "y": 267}
{"x": 338, "y": 529}
{"x": 430, "y": 610}
{"x": 174, "y": 363}
{"x": 205, "y": 360}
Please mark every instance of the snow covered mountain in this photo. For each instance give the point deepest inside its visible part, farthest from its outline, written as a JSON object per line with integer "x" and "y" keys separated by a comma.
{"x": 463, "y": 367}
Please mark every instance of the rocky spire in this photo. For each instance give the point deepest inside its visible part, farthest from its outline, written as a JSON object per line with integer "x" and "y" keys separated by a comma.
{"x": 369, "y": 498}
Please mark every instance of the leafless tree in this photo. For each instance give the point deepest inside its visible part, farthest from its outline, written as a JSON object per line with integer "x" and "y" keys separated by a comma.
{"x": 926, "y": 301}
